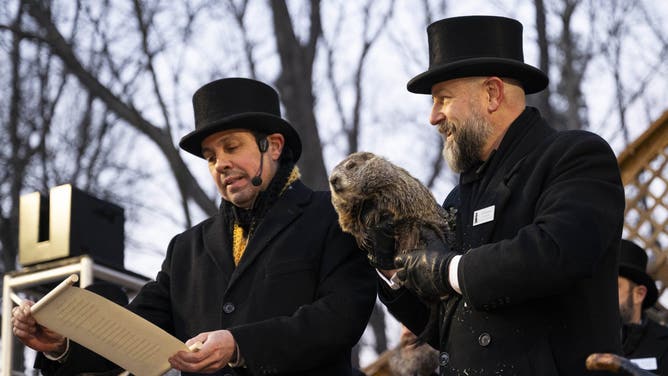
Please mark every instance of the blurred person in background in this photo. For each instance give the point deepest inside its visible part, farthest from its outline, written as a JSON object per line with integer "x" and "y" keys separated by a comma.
{"x": 644, "y": 341}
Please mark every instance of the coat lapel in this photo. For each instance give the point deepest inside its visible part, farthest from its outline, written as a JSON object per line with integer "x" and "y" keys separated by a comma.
{"x": 217, "y": 244}
{"x": 522, "y": 138}
{"x": 280, "y": 216}
{"x": 496, "y": 196}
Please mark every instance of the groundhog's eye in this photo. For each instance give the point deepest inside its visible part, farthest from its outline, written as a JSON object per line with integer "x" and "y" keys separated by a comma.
{"x": 350, "y": 165}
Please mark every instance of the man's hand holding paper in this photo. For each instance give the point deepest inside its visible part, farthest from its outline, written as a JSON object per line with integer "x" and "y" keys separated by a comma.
{"x": 33, "y": 335}
{"x": 216, "y": 351}
{"x": 108, "y": 329}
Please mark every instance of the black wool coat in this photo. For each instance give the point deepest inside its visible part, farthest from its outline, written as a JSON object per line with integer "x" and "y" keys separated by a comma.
{"x": 539, "y": 275}
{"x": 297, "y": 303}
{"x": 648, "y": 342}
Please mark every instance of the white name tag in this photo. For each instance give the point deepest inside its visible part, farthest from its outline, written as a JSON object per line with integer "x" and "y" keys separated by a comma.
{"x": 645, "y": 363}
{"x": 483, "y": 215}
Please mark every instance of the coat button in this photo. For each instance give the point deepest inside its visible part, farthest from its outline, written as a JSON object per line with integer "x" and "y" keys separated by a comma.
{"x": 484, "y": 339}
{"x": 228, "y": 307}
{"x": 443, "y": 359}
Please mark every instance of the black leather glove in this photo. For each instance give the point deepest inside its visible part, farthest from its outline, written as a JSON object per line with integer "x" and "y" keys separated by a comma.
{"x": 382, "y": 248}
{"x": 425, "y": 272}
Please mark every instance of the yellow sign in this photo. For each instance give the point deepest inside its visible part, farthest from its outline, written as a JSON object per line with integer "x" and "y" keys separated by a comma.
{"x": 31, "y": 250}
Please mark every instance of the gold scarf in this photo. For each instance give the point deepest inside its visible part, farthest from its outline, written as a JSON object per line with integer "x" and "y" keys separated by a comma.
{"x": 239, "y": 241}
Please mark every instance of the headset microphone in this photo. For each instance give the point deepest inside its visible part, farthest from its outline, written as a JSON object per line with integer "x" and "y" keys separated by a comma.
{"x": 263, "y": 145}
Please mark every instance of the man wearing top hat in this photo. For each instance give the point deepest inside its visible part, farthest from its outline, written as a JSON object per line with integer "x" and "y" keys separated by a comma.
{"x": 270, "y": 284}
{"x": 644, "y": 341}
{"x": 529, "y": 286}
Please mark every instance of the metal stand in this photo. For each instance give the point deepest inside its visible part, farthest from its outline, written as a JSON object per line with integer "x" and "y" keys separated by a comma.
{"x": 23, "y": 280}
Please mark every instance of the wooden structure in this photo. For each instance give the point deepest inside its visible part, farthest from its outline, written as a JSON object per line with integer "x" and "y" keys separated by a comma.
{"x": 644, "y": 169}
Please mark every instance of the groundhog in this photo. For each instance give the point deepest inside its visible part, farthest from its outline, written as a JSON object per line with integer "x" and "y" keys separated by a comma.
{"x": 368, "y": 190}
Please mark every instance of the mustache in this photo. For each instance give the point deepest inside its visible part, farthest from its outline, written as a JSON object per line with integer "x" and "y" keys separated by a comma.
{"x": 233, "y": 173}
{"x": 445, "y": 127}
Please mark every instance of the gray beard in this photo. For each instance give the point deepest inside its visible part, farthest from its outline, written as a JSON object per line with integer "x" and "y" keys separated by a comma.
{"x": 626, "y": 308}
{"x": 469, "y": 137}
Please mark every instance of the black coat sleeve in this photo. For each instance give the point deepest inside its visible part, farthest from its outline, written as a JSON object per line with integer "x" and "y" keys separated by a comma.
{"x": 80, "y": 360}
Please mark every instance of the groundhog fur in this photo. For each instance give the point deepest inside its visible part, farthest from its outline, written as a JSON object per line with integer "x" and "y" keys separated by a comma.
{"x": 368, "y": 190}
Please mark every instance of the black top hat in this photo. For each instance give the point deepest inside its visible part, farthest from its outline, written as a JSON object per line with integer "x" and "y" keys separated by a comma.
{"x": 476, "y": 46}
{"x": 238, "y": 103}
{"x": 633, "y": 265}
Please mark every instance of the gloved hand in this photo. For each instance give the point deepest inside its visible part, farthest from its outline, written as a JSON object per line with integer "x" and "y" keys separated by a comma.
{"x": 425, "y": 272}
{"x": 382, "y": 246}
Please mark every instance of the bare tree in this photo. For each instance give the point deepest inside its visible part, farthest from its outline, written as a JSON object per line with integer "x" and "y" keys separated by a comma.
{"x": 295, "y": 85}
{"x": 45, "y": 147}
{"x": 619, "y": 39}
{"x": 351, "y": 120}
{"x": 159, "y": 135}
{"x": 542, "y": 100}
{"x": 16, "y": 163}
{"x": 239, "y": 13}
{"x": 563, "y": 103}
{"x": 572, "y": 62}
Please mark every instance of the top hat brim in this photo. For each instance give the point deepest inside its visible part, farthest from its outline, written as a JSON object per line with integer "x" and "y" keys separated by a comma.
{"x": 533, "y": 80}
{"x": 642, "y": 278}
{"x": 252, "y": 121}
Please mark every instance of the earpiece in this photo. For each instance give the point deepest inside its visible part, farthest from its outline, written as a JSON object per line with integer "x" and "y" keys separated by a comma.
{"x": 263, "y": 145}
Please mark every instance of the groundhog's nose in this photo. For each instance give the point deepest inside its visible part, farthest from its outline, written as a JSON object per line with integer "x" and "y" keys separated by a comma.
{"x": 335, "y": 183}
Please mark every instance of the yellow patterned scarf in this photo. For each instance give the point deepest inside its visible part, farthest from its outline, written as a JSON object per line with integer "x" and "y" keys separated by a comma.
{"x": 239, "y": 241}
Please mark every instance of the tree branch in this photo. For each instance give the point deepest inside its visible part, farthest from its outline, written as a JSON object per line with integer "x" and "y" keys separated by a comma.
{"x": 61, "y": 48}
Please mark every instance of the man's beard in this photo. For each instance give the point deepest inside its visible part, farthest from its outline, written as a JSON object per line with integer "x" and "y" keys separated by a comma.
{"x": 626, "y": 308}
{"x": 412, "y": 360}
{"x": 468, "y": 139}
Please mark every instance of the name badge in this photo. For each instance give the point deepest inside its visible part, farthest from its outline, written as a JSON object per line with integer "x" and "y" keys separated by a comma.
{"x": 645, "y": 363}
{"x": 483, "y": 215}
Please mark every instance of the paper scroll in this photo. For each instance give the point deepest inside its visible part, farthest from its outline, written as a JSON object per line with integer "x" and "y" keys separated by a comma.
{"x": 107, "y": 328}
